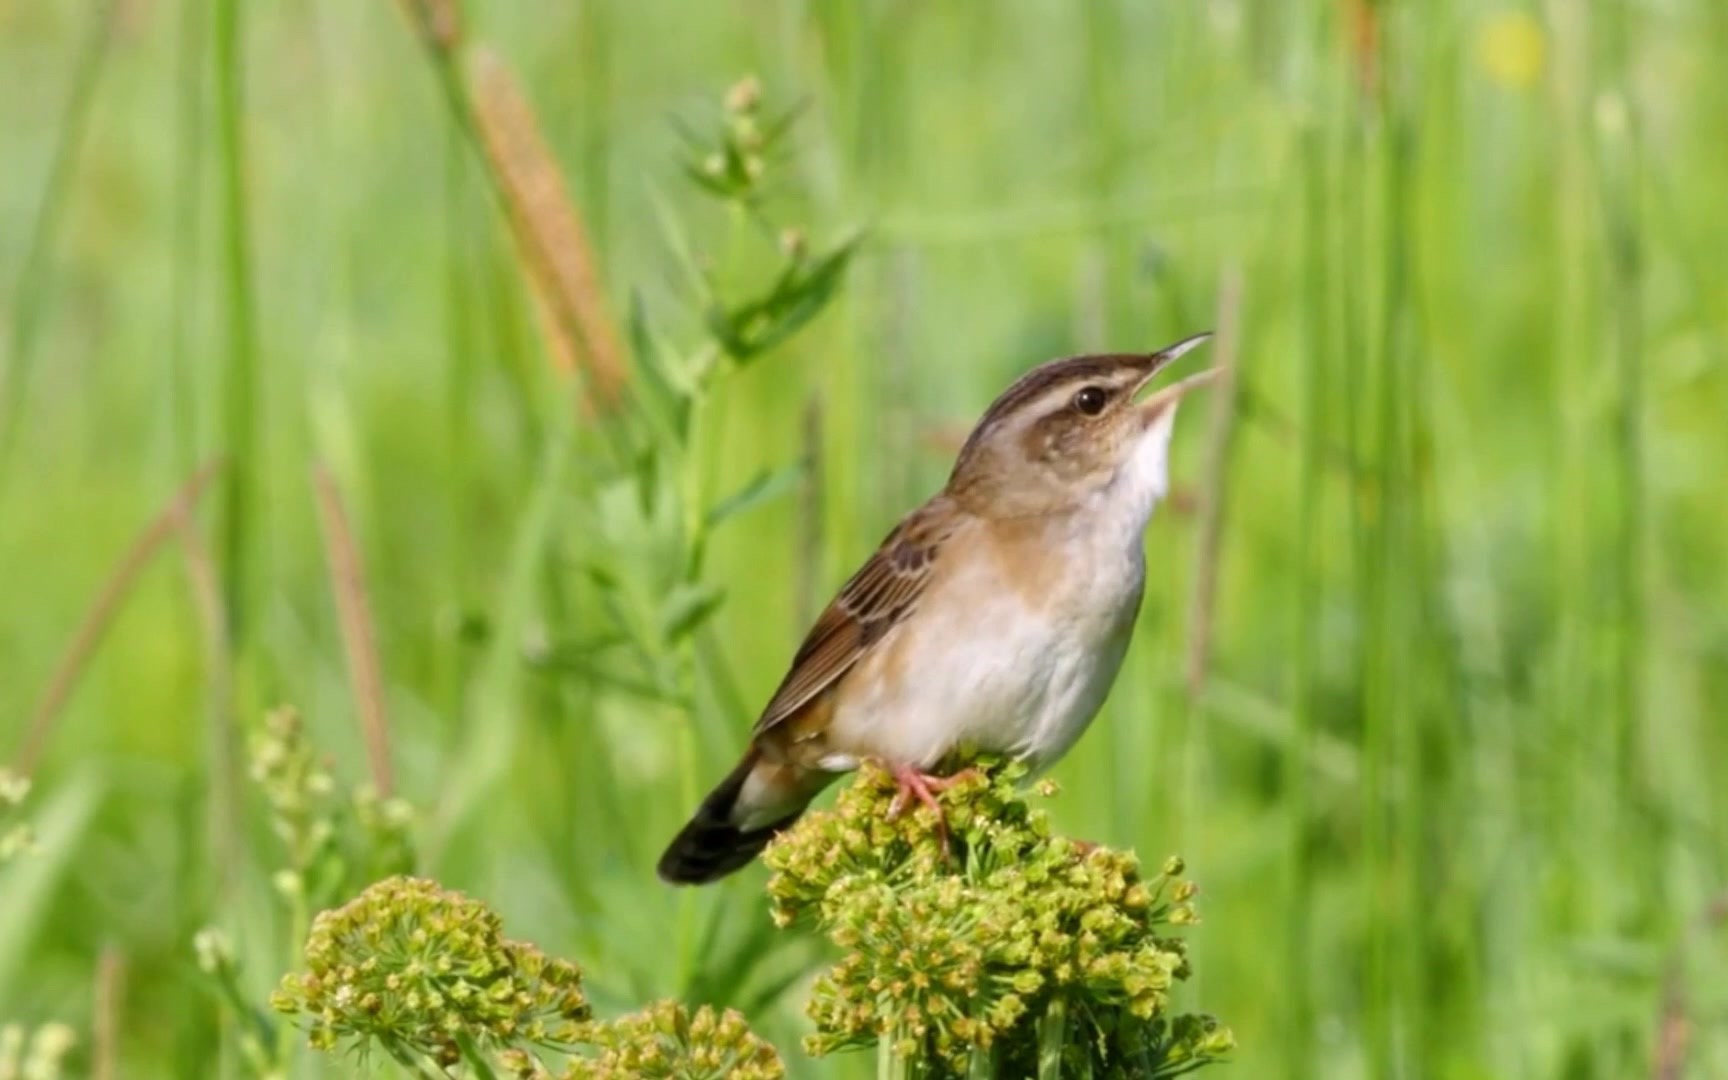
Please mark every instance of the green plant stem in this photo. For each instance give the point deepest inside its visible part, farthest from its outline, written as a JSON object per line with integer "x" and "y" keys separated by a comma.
{"x": 29, "y": 297}
{"x": 1052, "y": 1037}
{"x": 240, "y": 399}
{"x": 889, "y": 1065}
{"x": 475, "y": 1059}
{"x": 413, "y": 1062}
{"x": 259, "y": 1039}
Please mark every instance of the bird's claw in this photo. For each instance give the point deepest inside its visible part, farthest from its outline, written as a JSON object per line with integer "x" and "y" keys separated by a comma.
{"x": 913, "y": 783}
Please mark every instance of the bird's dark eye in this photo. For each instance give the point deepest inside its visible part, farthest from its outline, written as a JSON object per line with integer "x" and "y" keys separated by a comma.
{"x": 1090, "y": 400}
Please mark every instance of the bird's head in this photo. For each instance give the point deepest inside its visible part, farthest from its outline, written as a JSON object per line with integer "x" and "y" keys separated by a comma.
{"x": 1070, "y": 431}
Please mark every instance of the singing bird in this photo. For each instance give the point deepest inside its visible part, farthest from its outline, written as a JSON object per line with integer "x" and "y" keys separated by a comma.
{"x": 993, "y": 618}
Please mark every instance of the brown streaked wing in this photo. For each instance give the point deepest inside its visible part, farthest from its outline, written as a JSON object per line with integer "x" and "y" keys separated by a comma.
{"x": 873, "y": 602}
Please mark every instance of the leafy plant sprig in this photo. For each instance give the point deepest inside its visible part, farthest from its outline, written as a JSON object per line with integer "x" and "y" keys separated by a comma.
{"x": 649, "y": 520}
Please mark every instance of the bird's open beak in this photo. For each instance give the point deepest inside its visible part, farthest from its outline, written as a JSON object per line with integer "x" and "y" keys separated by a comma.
{"x": 1167, "y": 396}
{"x": 1173, "y": 393}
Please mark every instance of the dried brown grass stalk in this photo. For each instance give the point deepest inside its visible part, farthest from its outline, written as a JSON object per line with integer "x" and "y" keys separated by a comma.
{"x": 1212, "y": 497}
{"x": 101, "y": 613}
{"x": 105, "y": 1018}
{"x": 550, "y": 240}
{"x": 809, "y": 566}
{"x": 560, "y": 346}
{"x": 348, "y": 587}
{"x": 438, "y": 21}
{"x": 204, "y": 585}
{"x": 1674, "y": 1025}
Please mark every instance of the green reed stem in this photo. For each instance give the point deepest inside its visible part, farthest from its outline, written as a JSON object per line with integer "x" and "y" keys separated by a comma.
{"x": 1306, "y": 679}
{"x": 239, "y": 427}
{"x": 30, "y": 296}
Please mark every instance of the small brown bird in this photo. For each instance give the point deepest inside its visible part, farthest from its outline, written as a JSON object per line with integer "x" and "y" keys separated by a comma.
{"x": 994, "y": 617}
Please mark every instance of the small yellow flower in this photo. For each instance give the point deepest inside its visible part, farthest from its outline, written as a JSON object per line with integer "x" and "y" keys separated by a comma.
{"x": 1512, "y": 48}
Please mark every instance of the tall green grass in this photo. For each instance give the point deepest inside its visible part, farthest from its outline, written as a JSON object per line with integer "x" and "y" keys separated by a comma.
{"x": 1451, "y": 777}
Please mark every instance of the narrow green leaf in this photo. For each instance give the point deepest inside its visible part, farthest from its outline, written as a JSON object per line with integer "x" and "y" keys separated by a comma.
{"x": 687, "y": 608}
{"x": 665, "y": 397}
{"x": 765, "y": 486}
{"x": 797, "y": 296}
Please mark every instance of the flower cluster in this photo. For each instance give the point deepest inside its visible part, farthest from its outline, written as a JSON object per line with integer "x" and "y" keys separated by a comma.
{"x": 953, "y": 955}
{"x": 16, "y": 837}
{"x": 734, "y": 160}
{"x": 419, "y": 970}
{"x": 298, "y": 789}
{"x": 667, "y": 1042}
{"x": 425, "y": 975}
{"x": 330, "y": 834}
{"x": 38, "y": 1055}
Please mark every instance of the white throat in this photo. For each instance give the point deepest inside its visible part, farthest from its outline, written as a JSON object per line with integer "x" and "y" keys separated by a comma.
{"x": 1144, "y": 478}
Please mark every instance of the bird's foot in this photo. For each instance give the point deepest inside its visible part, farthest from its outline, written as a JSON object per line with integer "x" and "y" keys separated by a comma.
{"x": 913, "y": 783}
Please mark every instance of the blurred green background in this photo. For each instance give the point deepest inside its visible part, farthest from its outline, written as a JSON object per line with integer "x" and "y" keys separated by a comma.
{"x": 1452, "y": 777}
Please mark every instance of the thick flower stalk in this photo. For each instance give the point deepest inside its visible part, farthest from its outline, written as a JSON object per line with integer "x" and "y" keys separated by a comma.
{"x": 417, "y": 971}
{"x": 1016, "y": 953}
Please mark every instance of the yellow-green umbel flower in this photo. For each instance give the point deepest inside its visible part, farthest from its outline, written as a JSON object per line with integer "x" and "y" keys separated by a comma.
{"x": 666, "y": 1041}
{"x": 420, "y": 970}
{"x": 297, "y": 786}
{"x": 1013, "y": 937}
{"x": 16, "y": 837}
{"x": 38, "y": 1055}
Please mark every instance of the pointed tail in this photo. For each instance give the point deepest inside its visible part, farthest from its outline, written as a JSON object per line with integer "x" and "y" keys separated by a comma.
{"x": 725, "y": 833}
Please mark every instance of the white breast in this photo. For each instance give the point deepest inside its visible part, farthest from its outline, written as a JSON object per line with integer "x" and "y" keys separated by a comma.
{"x": 1001, "y": 668}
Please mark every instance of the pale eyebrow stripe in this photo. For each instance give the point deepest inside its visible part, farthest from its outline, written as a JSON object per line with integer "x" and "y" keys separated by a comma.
{"x": 1041, "y": 381}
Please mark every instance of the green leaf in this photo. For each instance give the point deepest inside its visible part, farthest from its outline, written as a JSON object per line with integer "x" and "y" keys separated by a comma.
{"x": 607, "y": 676}
{"x": 647, "y": 468}
{"x": 678, "y": 240}
{"x": 602, "y": 576}
{"x": 663, "y": 397}
{"x": 797, "y": 296}
{"x": 764, "y": 487}
{"x": 688, "y": 607}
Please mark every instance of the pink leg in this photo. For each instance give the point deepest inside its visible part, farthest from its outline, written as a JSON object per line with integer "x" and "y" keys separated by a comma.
{"x": 914, "y": 783}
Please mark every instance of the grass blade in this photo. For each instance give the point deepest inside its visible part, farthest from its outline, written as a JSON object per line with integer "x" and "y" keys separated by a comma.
{"x": 239, "y": 407}
{"x": 30, "y": 295}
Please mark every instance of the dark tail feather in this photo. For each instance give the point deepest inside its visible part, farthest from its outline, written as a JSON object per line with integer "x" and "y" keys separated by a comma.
{"x": 710, "y": 847}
